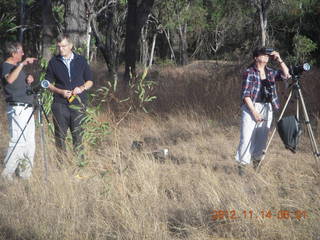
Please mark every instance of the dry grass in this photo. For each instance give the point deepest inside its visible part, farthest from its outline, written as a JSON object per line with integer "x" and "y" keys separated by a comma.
{"x": 128, "y": 194}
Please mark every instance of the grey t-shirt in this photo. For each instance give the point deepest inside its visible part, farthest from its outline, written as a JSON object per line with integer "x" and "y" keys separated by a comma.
{"x": 16, "y": 91}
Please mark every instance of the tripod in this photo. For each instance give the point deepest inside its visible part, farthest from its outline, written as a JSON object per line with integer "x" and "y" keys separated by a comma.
{"x": 38, "y": 106}
{"x": 296, "y": 91}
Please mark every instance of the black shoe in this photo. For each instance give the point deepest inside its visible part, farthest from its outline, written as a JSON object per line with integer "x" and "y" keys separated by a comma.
{"x": 241, "y": 169}
{"x": 255, "y": 164}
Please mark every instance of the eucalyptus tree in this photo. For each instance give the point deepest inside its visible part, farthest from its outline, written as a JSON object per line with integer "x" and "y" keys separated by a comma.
{"x": 76, "y": 22}
{"x": 263, "y": 7}
{"x": 8, "y": 22}
{"x": 107, "y": 19}
{"x": 137, "y": 15}
{"x": 226, "y": 25}
{"x": 182, "y": 22}
{"x": 49, "y": 29}
{"x": 296, "y": 26}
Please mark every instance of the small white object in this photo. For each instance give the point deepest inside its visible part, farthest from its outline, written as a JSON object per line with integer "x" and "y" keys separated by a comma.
{"x": 165, "y": 152}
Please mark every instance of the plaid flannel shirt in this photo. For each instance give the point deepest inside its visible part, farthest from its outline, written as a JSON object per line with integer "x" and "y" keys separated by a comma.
{"x": 252, "y": 83}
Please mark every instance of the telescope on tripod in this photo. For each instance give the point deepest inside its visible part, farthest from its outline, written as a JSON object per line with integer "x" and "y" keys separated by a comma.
{"x": 289, "y": 127}
{"x": 38, "y": 87}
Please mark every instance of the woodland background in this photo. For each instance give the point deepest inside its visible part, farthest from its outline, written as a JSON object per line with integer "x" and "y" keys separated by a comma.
{"x": 167, "y": 75}
{"x": 159, "y": 32}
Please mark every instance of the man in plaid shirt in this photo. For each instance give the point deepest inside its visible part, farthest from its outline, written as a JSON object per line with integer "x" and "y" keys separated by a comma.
{"x": 258, "y": 96}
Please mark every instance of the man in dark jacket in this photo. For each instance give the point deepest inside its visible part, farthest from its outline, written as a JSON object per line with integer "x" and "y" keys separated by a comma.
{"x": 70, "y": 76}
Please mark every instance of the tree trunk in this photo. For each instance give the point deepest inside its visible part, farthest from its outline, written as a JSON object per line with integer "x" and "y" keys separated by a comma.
{"x": 112, "y": 44}
{"x": 263, "y": 26}
{"x": 88, "y": 33}
{"x": 144, "y": 52}
{"x": 76, "y": 22}
{"x": 262, "y": 7}
{"x": 131, "y": 41}
{"x": 99, "y": 42}
{"x": 152, "y": 49}
{"x": 183, "y": 44}
{"x": 172, "y": 55}
{"x": 49, "y": 30}
{"x": 22, "y": 19}
{"x": 136, "y": 18}
{"x": 111, "y": 47}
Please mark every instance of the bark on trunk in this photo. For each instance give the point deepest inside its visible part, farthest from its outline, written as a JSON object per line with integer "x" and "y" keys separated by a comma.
{"x": 262, "y": 7}
{"x": 112, "y": 43}
{"x": 152, "y": 49}
{"x": 172, "y": 55}
{"x": 99, "y": 42}
{"x": 263, "y": 26}
{"x": 144, "y": 52}
{"x": 49, "y": 30}
{"x": 76, "y": 22}
{"x": 110, "y": 49}
{"x": 131, "y": 41}
{"x": 22, "y": 19}
{"x": 136, "y": 18}
{"x": 183, "y": 46}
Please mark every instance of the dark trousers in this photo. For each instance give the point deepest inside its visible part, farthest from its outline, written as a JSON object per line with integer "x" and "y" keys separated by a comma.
{"x": 65, "y": 117}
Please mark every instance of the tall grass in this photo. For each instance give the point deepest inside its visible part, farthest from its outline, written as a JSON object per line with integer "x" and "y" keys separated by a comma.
{"x": 127, "y": 194}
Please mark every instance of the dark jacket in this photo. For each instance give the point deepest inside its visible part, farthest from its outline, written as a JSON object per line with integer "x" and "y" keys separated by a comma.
{"x": 57, "y": 73}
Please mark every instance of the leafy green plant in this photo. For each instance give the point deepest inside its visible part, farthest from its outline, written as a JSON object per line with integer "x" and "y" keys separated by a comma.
{"x": 141, "y": 91}
{"x": 94, "y": 129}
{"x": 47, "y": 96}
{"x": 302, "y": 48}
{"x": 80, "y": 50}
{"x": 8, "y": 29}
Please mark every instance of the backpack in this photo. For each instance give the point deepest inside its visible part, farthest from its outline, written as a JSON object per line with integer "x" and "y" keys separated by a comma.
{"x": 289, "y": 130}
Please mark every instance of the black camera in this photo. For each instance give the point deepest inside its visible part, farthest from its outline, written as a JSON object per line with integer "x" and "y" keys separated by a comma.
{"x": 268, "y": 51}
{"x": 298, "y": 70}
{"x": 266, "y": 91}
{"x": 37, "y": 87}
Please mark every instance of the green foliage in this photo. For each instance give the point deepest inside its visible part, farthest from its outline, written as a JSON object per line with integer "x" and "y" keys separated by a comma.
{"x": 59, "y": 12}
{"x": 141, "y": 91}
{"x": 95, "y": 130}
{"x": 298, "y": 8}
{"x": 8, "y": 20}
{"x": 123, "y": 2}
{"x": 303, "y": 47}
{"x": 29, "y": 2}
{"x": 109, "y": 93}
{"x": 138, "y": 96}
{"x": 182, "y": 12}
{"x": 214, "y": 28}
{"x": 47, "y": 96}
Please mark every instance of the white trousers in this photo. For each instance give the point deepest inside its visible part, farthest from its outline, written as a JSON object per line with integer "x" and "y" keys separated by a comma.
{"x": 253, "y": 135}
{"x": 21, "y": 158}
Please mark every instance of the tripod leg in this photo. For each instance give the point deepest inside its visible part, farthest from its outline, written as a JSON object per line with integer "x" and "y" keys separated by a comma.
{"x": 43, "y": 143}
{"x": 274, "y": 131}
{"x": 309, "y": 128}
{"x": 44, "y": 113}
